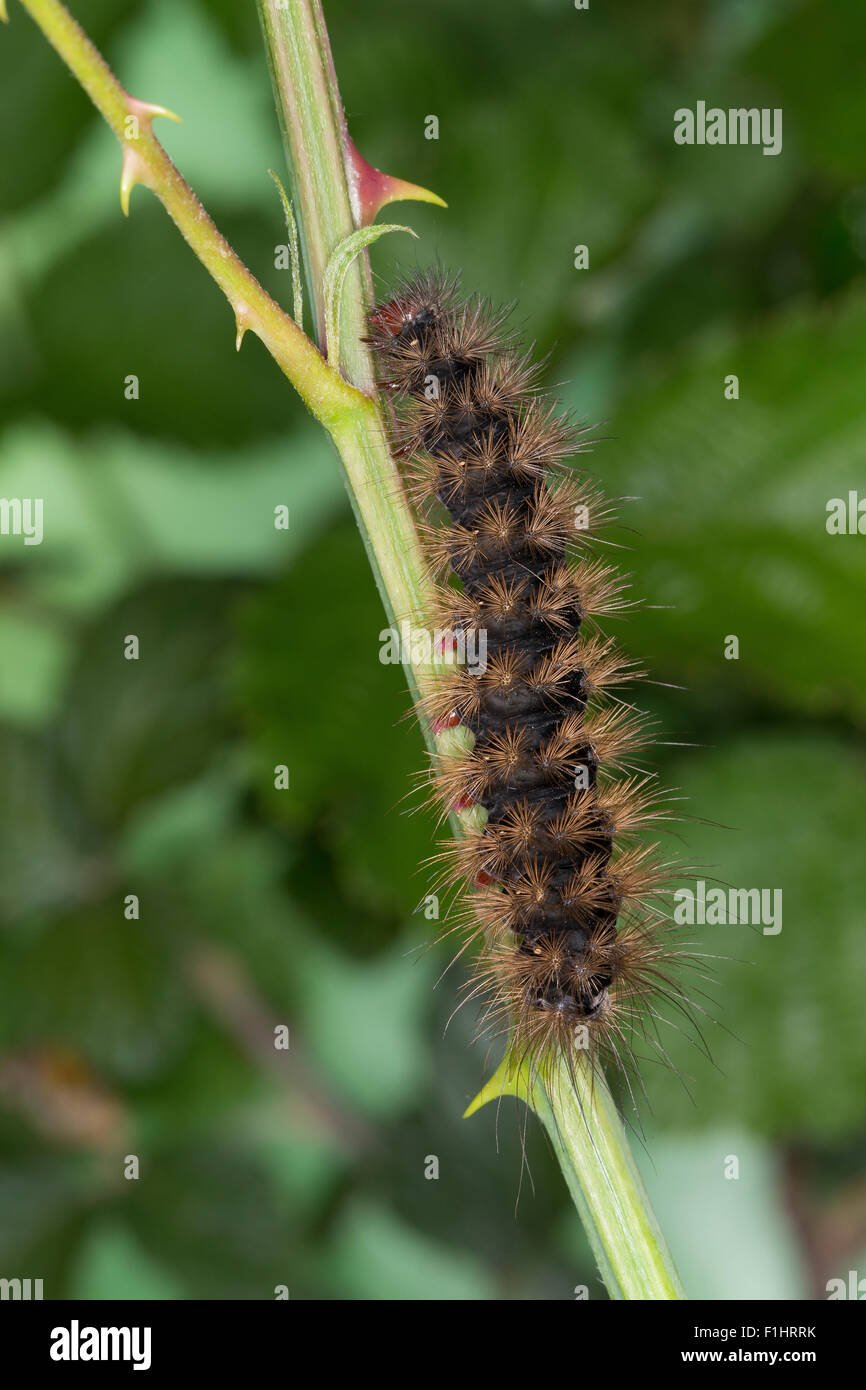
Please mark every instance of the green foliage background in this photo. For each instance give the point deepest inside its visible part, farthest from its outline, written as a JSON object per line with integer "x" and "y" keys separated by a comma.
{"x": 260, "y": 647}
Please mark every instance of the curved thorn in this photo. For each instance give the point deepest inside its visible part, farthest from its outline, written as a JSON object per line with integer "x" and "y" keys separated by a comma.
{"x": 370, "y": 189}
{"x": 242, "y": 323}
{"x": 508, "y": 1080}
{"x": 132, "y": 171}
{"x": 147, "y": 110}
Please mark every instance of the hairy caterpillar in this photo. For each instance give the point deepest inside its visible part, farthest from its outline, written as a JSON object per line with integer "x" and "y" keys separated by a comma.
{"x": 537, "y": 757}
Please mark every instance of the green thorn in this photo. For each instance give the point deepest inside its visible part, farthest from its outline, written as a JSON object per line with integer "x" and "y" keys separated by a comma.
{"x": 403, "y": 192}
{"x": 509, "y": 1079}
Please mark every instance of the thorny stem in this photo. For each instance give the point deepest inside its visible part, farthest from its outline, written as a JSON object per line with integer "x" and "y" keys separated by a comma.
{"x": 324, "y": 391}
{"x": 324, "y": 167}
{"x": 353, "y": 418}
{"x": 337, "y": 191}
{"x": 589, "y": 1139}
{"x": 314, "y": 133}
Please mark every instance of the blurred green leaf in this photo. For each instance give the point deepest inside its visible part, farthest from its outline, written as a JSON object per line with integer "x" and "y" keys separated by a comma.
{"x": 784, "y": 1016}
{"x": 42, "y": 1203}
{"x": 42, "y": 866}
{"x": 364, "y": 1021}
{"x": 336, "y": 717}
{"x": 139, "y": 304}
{"x": 111, "y": 1264}
{"x": 732, "y": 512}
{"x": 376, "y": 1256}
{"x": 209, "y": 1079}
{"x": 229, "y": 893}
{"x": 30, "y": 687}
{"x": 211, "y": 1216}
{"x": 132, "y": 728}
{"x": 812, "y": 60}
{"x": 98, "y": 984}
{"x": 117, "y": 509}
{"x": 731, "y": 1236}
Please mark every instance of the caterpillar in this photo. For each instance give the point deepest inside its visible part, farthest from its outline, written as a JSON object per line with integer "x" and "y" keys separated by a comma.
{"x": 536, "y": 743}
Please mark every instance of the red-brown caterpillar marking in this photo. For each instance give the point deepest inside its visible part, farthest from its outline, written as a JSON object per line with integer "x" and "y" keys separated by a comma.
{"x": 563, "y": 903}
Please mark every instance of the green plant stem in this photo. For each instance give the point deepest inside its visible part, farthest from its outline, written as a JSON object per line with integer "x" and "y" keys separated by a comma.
{"x": 336, "y": 191}
{"x": 588, "y": 1137}
{"x": 590, "y": 1142}
{"x": 315, "y": 136}
{"x": 387, "y": 528}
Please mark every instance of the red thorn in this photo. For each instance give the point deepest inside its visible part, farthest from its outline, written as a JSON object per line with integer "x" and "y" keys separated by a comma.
{"x": 370, "y": 189}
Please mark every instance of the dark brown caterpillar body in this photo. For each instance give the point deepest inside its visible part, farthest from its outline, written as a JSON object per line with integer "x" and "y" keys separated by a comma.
{"x": 564, "y": 907}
